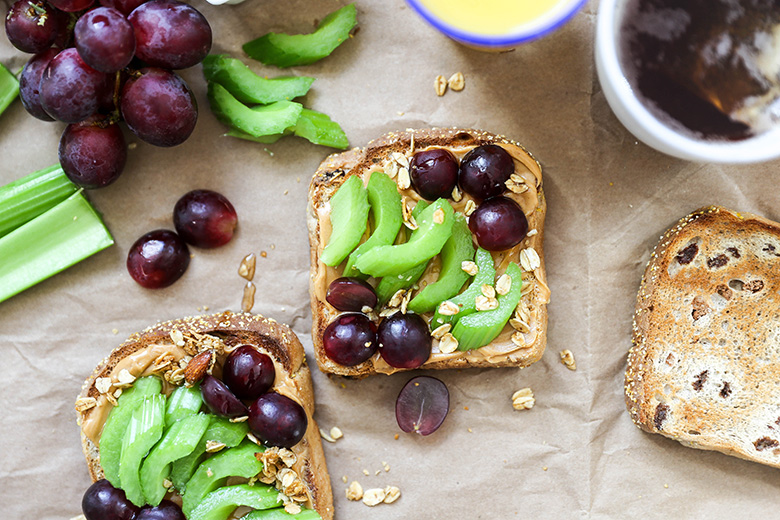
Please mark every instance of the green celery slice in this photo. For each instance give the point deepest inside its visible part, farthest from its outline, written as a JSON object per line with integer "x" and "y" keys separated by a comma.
{"x": 24, "y": 199}
{"x": 348, "y": 219}
{"x": 9, "y": 88}
{"x": 116, "y": 424}
{"x": 263, "y": 139}
{"x": 247, "y": 86}
{"x": 143, "y": 431}
{"x": 184, "y": 401}
{"x": 265, "y": 120}
{"x": 466, "y": 301}
{"x": 220, "y": 430}
{"x": 214, "y": 472}
{"x": 315, "y": 127}
{"x": 285, "y": 50}
{"x": 281, "y": 514}
{"x": 480, "y": 328}
{"x": 177, "y": 442}
{"x": 66, "y": 234}
{"x": 218, "y": 504}
{"x": 385, "y": 204}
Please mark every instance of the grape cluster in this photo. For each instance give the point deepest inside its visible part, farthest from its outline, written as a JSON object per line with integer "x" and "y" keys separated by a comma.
{"x": 96, "y": 66}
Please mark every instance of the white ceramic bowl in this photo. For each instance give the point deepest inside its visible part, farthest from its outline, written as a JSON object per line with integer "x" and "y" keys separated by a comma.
{"x": 644, "y": 125}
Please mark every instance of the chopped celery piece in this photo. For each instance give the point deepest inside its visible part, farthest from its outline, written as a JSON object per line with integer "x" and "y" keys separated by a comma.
{"x": 218, "y": 504}
{"x": 315, "y": 127}
{"x": 285, "y": 50}
{"x": 247, "y": 86}
{"x": 281, "y": 514}
{"x": 265, "y": 120}
{"x": 9, "y": 88}
{"x": 184, "y": 401}
{"x": 24, "y": 199}
{"x": 66, "y": 234}
{"x": 143, "y": 431}
{"x": 263, "y": 139}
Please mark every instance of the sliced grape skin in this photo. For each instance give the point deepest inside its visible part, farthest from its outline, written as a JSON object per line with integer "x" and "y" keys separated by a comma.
{"x": 422, "y": 405}
{"x": 32, "y": 26}
{"x": 93, "y": 156}
{"x": 30, "y": 83}
{"x": 105, "y": 39}
{"x": 71, "y": 90}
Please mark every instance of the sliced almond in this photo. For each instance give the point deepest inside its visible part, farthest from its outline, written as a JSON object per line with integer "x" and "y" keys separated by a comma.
{"x": 518, "y": 339}
{"x": 103, "y": 384}
{"x": 400, "y": 158}
{"x": 325, "y": 435}
{"x": 519, "y": 325}
{"x": 124, "y": 379}
{"x": 198, "y": 367}
{"x": 532, "y": 232}
{"x": 391, "y": 169}
{"x": 214, "y": 446}
{"x": 336, "y": 433}
{"x": 397, "y": 298}
{"x": 292, "y": 508}
{"x": 288, "y": 457}
{"x": 448, "y": 308}
{"x": 456, "y": 194}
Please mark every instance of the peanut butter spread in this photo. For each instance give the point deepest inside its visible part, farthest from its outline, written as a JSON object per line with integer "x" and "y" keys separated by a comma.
{"x": 502, "y": 347}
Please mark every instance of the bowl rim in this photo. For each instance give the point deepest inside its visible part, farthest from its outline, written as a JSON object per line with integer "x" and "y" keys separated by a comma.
{"x": 507, "y": 40}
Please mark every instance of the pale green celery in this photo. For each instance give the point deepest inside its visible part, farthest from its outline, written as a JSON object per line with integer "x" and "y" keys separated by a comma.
{"x": 55, "y": 240}
{"x": 9, "y": 88}
{"x": 24, "y": 199}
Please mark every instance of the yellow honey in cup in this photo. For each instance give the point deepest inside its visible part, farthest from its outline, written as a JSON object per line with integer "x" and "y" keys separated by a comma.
{"x": 496, "y": 24}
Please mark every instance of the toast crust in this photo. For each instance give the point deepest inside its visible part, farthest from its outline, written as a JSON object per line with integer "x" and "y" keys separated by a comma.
{"x": 268, "y": 336}
{"x": 334, "y": 171}
{"x": 705, "y": 362}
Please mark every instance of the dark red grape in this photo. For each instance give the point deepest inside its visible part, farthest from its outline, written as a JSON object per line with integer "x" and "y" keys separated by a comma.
{"x": 170, "y": 34}
{"x": 204, "y": 218}
{"x": 30, "y": 83}
{"x": 484, "y": 170}
{"x": 248, "y": 373}
{"x": 105, "y": 39}
{"x": 159, "y": 107}
{"x": 71, "y": 6}
{"x": 102, "y": 501}
{"x": 93, "y": 156}
{"x": 32, "y": 26}
{"x": 277, "y": 420}
{"x": 219, "y": 399}
{"x": 498, "y": 224}
{"x": 71, "y": 90}
{"x": 434, "y": 173}
{"x": 158, "y": 259}
{"x": 404, "y": 340}
{"x": 350, "y": 339}
{"x": 123, "y": 6}
{"x": 422, "y": 405}
{"x": 351, "y": 294}
{"x": 167, "y": 510}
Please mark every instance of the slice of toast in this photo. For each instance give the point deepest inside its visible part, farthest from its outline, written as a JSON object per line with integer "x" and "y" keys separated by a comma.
{"x": 165, "y": 350}
{"x": 704, "y": 368}
{"x": 392, "y": 153}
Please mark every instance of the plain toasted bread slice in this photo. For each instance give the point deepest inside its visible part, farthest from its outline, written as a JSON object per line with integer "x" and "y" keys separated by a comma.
{"x": 184, "y": 337}
{"x": 704, "y": 367}
{"x": 399, "y": 148}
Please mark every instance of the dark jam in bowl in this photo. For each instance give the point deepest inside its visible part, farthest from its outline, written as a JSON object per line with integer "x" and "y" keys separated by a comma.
{"x": 695, "y": 64}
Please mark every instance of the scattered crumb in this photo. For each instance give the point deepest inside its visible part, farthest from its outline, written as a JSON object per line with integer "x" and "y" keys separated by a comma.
{"x": 440, "y": 85}
{"x": 273, "y": 246}
{"x": 567, "y": 358}
{"x": 374, "y": 496}
{"x": 666, "y": 486}
{"x": 342, "y": 385}
{"x": 263, "y": 254}
{"x": 286, "y": 192}
{"x": 355, "y": 491}
{"x": 292, "y": 508}
{"x": 344, "y": 479}
{"x": 205, "y": 307}
{"x": 366, "y": 472}
{"x": 377, "y": 472}
{"x": 325, "y": 435}
{"x": 470, "y": 430}
{"x": 386, "y": 466}
{"x": 395, "y": 436}
{"x": 457, "y": 82}
{"x": 298, "y": 179}
{"x": 523, "y": 399}
{"x": 466, "y": 408}
{"x": 132, "y": 146}
{"x": 400, "y": 113}
{"x": 114, "y": 331}
{"x": 611, "y": 183}
{"x": 392, "y": 494}
{"x": 336, "y": 433}
{"x": 544, "y": 468}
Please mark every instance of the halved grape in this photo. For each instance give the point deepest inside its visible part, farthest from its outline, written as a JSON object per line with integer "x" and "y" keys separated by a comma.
{"x": 422, "y": 405}
{"x": 93, "y": 155}
{"x": 350, "y": 339}
{"x": 434, "y": 173}
{"x": 30, "y": 83}
{"x": 404, "y": 340}
{"x": 71, "y": 90}
{"x": 498, "y": 224}
{"x": 484, "y": 170}
{"x": 219, "y": 399}
{"x": 277, "y": 420}
{"x": 170, "y": 34}
{"x": 204, "y": 218}
{"x": 351, "y": 294}
{"x": 248, "y": 373}
{"x": 105, "y": 39}
{"x": 102, "y": 501}
{"x": 167, "y": 510}
{"x": 159, "y": 107}
{"x": 32, "y": 26}
{"x": 158, "y": 259}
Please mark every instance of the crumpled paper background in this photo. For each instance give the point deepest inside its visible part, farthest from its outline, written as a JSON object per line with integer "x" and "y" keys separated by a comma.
{"x": 574, "y": 455}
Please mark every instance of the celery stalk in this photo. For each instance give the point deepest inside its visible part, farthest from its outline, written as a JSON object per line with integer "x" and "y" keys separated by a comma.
{"x": 66, "y": 234}
{"x": 9, "y": 88}
{"x": 28, "y": 197}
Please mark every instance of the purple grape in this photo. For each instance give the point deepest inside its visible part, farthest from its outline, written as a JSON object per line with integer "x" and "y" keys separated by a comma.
{"x": 350, "y": 339}
{"x": 422, "y": 405}
{"x": 30, "y": 83}
{"x": 167, "y": 510}
{"x": 123, "y": 6}
{"x": 404, "y": 340}
{"x": 158, "y": 259}
{"x": 71, "y": 90}
{"x": 32, "y": 26}
{"x": 248, "y": 373}
{"x": 102, "y": 501}
{"x": 71, "y": 6}
{"x": 351, "y": 294}
{"x": 277, "y": 420}
{"x": 498, "y": 223}
{"x": 170, "y": 34}
{"x": 159, "y": 107}
{"x": 205, "y": 218}
{"x": 92, "y": 155}
{"x": 105, "y": 39}
{"x": 219, "y": 399}
{"x": 434, "y": 173}
{"x": 484, "y": 170}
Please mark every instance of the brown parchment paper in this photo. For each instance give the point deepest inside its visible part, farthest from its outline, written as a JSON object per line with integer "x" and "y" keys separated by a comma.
{"x": 574, "y": 455}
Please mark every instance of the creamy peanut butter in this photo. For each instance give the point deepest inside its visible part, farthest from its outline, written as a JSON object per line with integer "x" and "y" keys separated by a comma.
{"x": 502, "y": 348}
